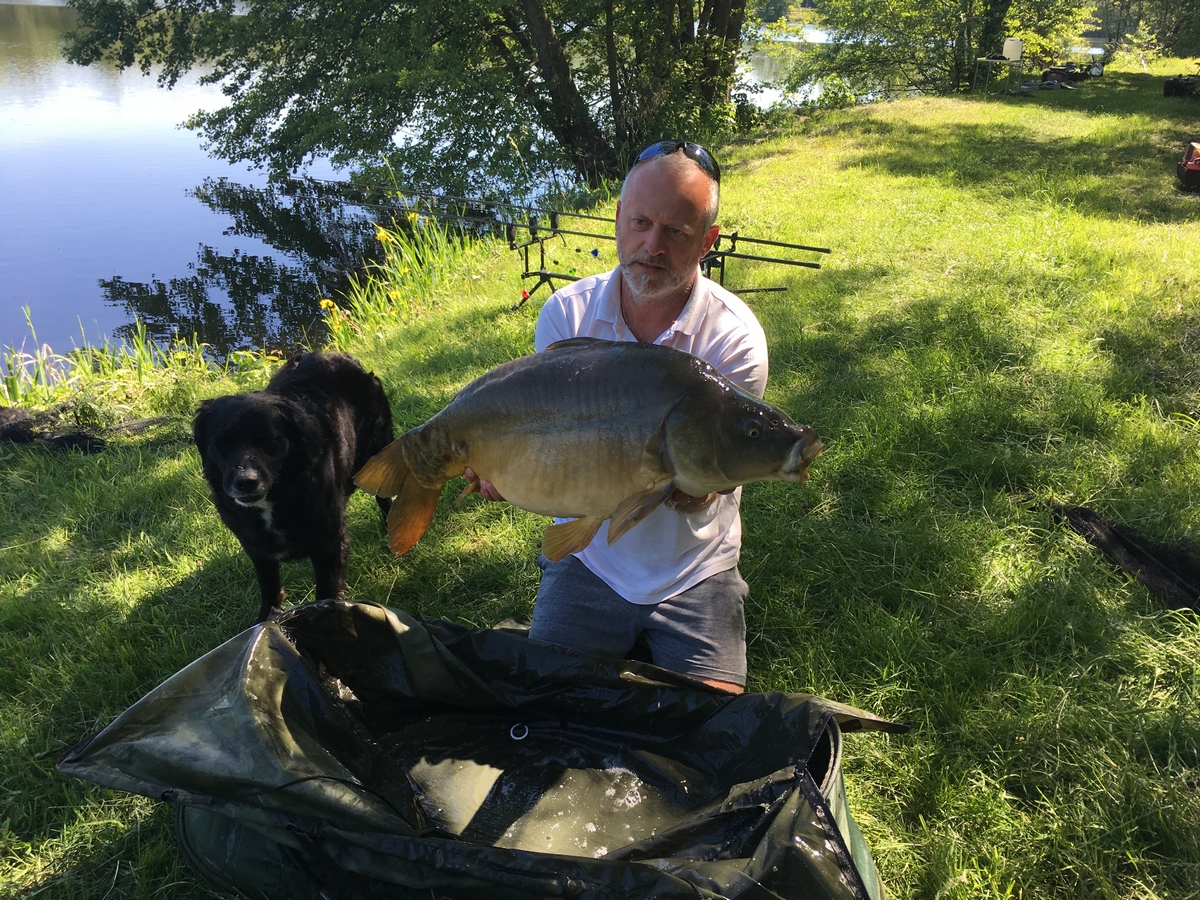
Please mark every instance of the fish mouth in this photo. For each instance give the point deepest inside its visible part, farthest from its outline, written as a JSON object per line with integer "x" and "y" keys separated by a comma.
{"x": 803, "y": 452}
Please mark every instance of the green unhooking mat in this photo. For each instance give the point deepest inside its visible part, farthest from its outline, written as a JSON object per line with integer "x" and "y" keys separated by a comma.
{"x": 348, "y": 750}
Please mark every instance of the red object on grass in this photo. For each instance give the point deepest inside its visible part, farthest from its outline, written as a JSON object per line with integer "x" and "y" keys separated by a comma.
{"x": 1188, "y": 168}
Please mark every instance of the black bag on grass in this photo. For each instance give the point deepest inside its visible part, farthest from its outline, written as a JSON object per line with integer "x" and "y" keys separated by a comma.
{"x": 347, "y": 750}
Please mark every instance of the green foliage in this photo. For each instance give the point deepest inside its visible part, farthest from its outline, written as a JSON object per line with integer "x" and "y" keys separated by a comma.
{"x": 1047, "y": 28}
{"x": 468, "y": 95}
{"x": 117, "y": 379}
{"x": 1143, "y": 43}
{"x": 421, "y": 257}
{"x": 893, "y": 46}
{"x": 1176, "y": 23}
{"x": 771, "y": 10}
{"x": 30, "y": 376}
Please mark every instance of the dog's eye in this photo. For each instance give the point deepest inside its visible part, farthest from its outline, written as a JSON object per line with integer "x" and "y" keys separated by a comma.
{"x": 274, "y": 446}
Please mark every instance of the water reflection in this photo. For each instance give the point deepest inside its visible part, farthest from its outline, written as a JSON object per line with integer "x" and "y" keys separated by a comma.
{"x": 30, "y": 35}
{"x": 307, "y": 219}
{"x": 113, "y": 211}
{"x": 271, "y": 303}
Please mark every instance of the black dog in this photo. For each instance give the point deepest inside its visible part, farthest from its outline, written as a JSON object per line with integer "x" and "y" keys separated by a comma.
{"x": 280, "y": 463}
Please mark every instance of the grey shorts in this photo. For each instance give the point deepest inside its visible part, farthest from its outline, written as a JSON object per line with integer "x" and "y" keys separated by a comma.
{"x": 701, "y": 632}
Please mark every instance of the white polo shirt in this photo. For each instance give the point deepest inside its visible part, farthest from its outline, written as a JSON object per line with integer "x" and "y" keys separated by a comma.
{"x": 667, "y": 552}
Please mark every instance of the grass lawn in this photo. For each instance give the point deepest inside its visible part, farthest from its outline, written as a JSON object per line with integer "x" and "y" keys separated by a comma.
{"x": 1010, "y": 318}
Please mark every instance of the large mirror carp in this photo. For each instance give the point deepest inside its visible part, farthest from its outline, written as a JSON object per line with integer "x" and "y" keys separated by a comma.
{"x": 593, "y": 430}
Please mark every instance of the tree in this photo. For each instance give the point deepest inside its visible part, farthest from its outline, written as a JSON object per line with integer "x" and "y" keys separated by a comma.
{"x": 771, "y": 10}
{"x": 459, "y": 93}
{"x": 1175, "y": 23}
{"x": 927, "y": 45}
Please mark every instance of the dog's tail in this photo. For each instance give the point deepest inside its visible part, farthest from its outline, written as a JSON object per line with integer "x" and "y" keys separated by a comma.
{"x": 387, "y": 474}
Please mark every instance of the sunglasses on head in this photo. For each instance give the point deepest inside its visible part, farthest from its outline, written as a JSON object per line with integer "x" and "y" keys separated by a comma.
{"x": 694, "y": 152}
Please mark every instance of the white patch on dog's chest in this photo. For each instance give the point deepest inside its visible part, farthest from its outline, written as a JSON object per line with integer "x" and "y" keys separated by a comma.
{"x": 268, "y": 513}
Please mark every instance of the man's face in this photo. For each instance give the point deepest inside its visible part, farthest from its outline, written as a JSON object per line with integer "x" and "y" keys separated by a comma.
{"x": 661, "y": 233}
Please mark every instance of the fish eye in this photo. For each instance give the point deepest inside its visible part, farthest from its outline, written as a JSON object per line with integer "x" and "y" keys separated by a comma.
{"x": 751, "y": 428}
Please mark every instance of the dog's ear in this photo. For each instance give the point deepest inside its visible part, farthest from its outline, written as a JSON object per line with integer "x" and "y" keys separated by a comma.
{"x": 202, "y": 425}
{"x": 303, "y": 431}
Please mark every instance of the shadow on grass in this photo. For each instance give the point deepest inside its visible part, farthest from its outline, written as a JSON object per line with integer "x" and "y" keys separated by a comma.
{"x": 1123, "y": 167}
{"x": 1157, "y": 357}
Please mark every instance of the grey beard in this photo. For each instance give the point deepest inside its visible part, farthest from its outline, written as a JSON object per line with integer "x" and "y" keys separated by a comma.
{"x": 638, "y": 283}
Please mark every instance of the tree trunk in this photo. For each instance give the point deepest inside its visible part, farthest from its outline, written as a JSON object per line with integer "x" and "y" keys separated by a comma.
{"x": 571, "y": 121}
{"x": 991, "y": 27}
{"x": 687, "y": 22}
{"x": 516, "y": 61}
{"x": 614, "y": 68}
{"x": 723, "y": 26}
{"x": 668, "y": 31}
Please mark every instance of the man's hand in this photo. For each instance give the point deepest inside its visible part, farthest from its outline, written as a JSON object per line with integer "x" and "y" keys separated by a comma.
{"x": 686, "y": 503}
{"x": 487, "y": 490}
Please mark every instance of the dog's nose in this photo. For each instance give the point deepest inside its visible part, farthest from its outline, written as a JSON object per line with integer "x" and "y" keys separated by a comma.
{"x": 242, "y": 482}
{"x": 245, "y": 484}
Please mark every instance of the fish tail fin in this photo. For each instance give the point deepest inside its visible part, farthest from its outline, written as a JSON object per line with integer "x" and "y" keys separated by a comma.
{"x": 565, "y": 538}
{"x": 411, "y": 513}
{"x": 384, "y": 473}
{"x": 387, "y": 474}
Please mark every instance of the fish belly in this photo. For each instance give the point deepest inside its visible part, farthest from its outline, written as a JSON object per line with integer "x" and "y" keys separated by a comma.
{"x": 584, "y": 472}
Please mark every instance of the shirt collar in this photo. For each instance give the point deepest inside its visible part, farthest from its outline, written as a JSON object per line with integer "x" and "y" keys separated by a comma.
{"x": 609, "y": 309}
{"x": 692, "y": 315}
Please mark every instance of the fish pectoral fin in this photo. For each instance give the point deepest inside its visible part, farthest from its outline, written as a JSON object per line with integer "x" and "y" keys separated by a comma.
{"x": 654, "y": 465}
{"x": 385, "y": 472}
{"x": 471, "y": 488}
{"x": 566, "y": 538}
{"x": 636, "y": 507}
{"x": 412, "y": 511}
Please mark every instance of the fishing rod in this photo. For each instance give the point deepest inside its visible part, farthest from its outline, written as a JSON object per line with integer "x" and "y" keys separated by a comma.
{"x": 714, "y": 259}
{"x": 544, "y": 224}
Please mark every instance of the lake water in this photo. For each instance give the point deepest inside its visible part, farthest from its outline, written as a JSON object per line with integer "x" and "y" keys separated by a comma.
{"x": 102, "y": 220}
{"x": 112, "y": 212}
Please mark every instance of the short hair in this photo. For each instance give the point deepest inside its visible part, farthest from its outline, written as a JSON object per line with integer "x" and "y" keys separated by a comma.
{"x": 680, "y": 163}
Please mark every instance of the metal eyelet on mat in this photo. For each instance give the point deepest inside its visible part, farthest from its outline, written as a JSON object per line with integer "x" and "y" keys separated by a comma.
{"x": 519, "y": 732}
